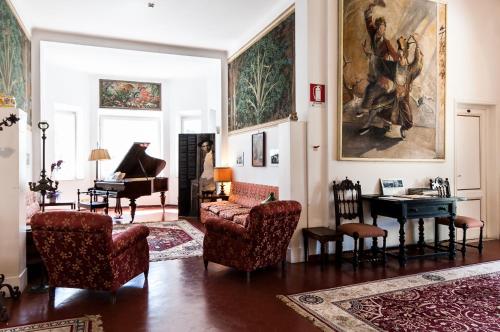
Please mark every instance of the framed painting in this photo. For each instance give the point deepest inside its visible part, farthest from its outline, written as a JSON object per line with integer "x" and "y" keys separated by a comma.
{"x": 261, "y": 78}
{"x": 392, "y": 76}
{"x": 274, "y": 157}
{"x": 259, "y": 149}
{"x": 240, "y": 159}
{"x": 129, "y": 95}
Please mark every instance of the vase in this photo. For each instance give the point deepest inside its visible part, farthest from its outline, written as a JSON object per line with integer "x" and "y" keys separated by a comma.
{"x": 52, "y": 199}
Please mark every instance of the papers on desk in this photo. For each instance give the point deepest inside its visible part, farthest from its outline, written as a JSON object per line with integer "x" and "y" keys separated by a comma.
{"x": 405, "y": 197}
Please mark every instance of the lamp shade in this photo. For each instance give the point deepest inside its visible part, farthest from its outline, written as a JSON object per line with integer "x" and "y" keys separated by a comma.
{"x": 222, "y": 174}
{"x": 99, "y": 154}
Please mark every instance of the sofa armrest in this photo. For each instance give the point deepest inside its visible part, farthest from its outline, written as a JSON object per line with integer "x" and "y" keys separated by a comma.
{"x": 123, "y": 241}
{"x": 222, "y": 226}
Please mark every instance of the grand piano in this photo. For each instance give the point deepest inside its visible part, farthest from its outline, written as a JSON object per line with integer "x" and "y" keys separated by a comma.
{"x": 136, "y": 176}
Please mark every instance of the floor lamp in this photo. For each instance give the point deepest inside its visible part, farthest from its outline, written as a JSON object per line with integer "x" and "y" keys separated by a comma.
{"x": 96, "y": 155}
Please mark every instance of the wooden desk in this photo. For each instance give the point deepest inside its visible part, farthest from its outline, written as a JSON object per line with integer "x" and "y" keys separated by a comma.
{"x": 420, "y": 208}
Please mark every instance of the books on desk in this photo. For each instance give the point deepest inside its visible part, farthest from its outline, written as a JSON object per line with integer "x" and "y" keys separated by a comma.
{"x": 405, "y": 197}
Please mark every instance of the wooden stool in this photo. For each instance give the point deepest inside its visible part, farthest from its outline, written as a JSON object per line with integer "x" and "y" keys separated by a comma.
{"x": 323, "y": 235}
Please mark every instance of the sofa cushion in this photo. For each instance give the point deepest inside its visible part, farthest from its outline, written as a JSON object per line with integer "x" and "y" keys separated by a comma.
{"x": 250, "y": 194}
{"x": 231, "y": 213}
{"x": 241, "y": 219}
{"x": 218, "y": 208}
{"x": 207, "y": 205}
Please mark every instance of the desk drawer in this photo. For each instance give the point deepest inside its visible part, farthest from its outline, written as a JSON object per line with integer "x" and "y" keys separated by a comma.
{"x": 428, "y": 210}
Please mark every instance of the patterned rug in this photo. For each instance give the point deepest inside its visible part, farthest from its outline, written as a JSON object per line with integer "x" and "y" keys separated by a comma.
{"x": 458, "y": 299}
{"x": 82, "y": 324}
{"x": 170, "y": 239}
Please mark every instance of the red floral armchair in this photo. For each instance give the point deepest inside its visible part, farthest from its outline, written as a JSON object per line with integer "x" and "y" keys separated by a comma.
{"x": 79, "y": 250}
{"x": 262, "y": 242}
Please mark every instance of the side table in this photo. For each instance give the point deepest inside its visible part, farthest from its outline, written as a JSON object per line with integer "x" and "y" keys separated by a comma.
{"x": 70, "y": 204}
{"x": 323, "y": 235}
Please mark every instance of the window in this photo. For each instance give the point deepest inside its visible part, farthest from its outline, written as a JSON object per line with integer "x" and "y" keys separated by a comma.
{"x": 65, "y": 145}
{"x": 190, "y": 125}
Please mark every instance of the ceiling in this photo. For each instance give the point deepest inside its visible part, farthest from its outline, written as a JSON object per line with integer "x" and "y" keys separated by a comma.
{"x": 210, "y": 24}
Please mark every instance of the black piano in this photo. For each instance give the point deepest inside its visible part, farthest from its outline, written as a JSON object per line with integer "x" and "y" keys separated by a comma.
{"x": 136, "y": 176}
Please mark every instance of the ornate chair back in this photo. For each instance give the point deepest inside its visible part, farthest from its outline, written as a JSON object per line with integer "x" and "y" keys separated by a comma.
{"x": 442, "y": 186}
{"x": 347, "y": 200}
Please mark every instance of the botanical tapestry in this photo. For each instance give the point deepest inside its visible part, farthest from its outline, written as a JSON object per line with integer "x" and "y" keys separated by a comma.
{"x": 15, "y": 60}
{"x": 129, "y": 95}
{"x": 261, "y": 79}
{"x": 392, "y": 68}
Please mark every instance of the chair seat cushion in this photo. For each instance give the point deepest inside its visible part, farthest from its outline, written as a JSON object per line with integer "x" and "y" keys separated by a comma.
{"x": 461, "y": 221}
{"x": 363, "y": 230}
{"x": 241, "y": 219}
{"x": 231, "y": 213}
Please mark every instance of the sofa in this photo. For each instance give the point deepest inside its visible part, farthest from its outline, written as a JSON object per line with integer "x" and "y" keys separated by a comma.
{"x": 263, "y": 242}
{"x": 242, "y": 198}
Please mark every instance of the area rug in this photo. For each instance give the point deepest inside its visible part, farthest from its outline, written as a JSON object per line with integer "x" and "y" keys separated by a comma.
{"x": 170, "y": 239}
{"x": 458, "y": 299}
{"x": 82, "y": 324}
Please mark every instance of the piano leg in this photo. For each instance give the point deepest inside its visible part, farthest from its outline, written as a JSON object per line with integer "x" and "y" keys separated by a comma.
{"x": 133, "y": 206}
{"x": 162, "y": 198}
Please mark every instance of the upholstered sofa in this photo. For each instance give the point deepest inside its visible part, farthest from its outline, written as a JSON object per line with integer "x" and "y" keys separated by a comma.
{"x": 242, "y": 198}
{"x": 263, "y": 242}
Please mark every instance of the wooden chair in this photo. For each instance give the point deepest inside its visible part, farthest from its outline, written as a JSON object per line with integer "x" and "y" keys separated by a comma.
{"x": 348, "y": 205}
{"x": 94, "y": 203}
{"x": 462, "y": 222}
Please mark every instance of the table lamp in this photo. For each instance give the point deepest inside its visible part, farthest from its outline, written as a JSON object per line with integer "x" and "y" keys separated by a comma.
{"x": 222, "y": 174}
{"x": 98, "y": 154}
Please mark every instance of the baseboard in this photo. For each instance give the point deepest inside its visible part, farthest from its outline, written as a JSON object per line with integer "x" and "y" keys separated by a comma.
{"x": 295, "y": 255}
{"x": 20, "y": 281}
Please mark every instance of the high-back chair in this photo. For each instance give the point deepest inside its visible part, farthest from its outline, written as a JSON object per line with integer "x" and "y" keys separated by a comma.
{"x": 462, "y": 222}
{"x": 348, "y": 205}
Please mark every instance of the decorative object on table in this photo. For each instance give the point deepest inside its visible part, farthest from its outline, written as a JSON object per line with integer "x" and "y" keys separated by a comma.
{"x": 391, "y": 187}
{"x": 270, "y": 198}
{"x": 259, "y": 149}
{"x": 9, "y": 121}
{"x": 129, "y": 95}
{"x": 15, "y": 61}
{"x": 170, "y": 240}
{"x": 261, "y": 77}
{"x": 456, "y": 297}
{"x": 274, "y": 156}
{"x": 45, "y": 185}
{"x": 221, "y": 175}
{"x": 240, "y": 159}
{"x": 383, "y": 116}
{"x": 96, "y": 155}
{"x": 13, "y": 292}
{"x": 54, "y": 167}
{"x": 81, "y": 324}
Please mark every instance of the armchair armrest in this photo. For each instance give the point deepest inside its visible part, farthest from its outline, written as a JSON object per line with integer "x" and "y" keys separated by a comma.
{"x": 221, "y": 226}
{"x": 131, "y": 236}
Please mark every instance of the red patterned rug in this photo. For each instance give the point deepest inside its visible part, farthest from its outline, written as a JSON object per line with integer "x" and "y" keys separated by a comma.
{"x": 171, "y": 240}
{"x": 82, "y": 324}
{"x": 458, "y": 299}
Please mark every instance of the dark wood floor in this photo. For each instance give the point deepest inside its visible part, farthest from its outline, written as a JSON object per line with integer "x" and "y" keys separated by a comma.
{"x": 181, "y": 296}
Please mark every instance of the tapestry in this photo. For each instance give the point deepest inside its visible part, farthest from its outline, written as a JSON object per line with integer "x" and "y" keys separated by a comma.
{"x": 170, "y": 240}
{"x": 457, "y": 299}
{"x": 261, "y": 78}
{"x": 82, "y": 324}
{"x": 392, "y": 73}
{"x": 15, "y": 60}
{"x": 129, "y": 95}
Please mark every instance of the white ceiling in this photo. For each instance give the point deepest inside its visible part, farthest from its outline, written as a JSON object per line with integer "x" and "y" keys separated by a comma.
{"x": 210, "y": 24}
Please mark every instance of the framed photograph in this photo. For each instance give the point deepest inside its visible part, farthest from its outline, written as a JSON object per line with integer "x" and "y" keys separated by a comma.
{"x": 129, "y": 95}
{"x": 240, "y": 159}
{"x": 392, "y": 74}
{"x": 259, "y": 149}
{"x": 391, "y": 187}
{"x": 274, "y": 157}
{"x": 261, "y": 82}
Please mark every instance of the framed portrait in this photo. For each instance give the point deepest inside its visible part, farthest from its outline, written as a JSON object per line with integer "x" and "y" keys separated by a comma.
{"x": 274, "y": 157}
{"x": 240, "y": 159}
{"x": 129, "y": 95}
{"x": 259, "y": 149}
{"x": 392, "y": 187}
{"x": 392, "y": 74}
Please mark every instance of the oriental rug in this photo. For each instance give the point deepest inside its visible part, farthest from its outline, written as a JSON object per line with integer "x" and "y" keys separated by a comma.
{"x": 170, "y": 239}
{"x": 458, "y": 299}
{"x": 81, "y": 324}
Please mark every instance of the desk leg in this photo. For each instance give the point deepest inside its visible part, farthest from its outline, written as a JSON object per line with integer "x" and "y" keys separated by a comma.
{"x": 374, "y": 240}
{"x": 452, "y": 237}
{"x": 421, "y": 241}
{"x": 306, "y": 247}
{"x": 402, "y": 253}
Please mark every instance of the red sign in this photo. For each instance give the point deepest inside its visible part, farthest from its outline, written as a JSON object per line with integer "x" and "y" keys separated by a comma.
{"x": 317, "y": 93}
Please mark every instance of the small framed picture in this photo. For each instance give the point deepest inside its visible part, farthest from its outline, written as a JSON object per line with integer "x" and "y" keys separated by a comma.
{"x": 240, "y": 159}
{"x": 274, "y": 157}
{"x": 391, "y": 187}
{"x": 259, "y": 149}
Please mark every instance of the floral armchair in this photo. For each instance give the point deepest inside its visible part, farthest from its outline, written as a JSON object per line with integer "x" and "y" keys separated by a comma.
{"x": 79, "y": 250}
{"x": 262, "y": 242}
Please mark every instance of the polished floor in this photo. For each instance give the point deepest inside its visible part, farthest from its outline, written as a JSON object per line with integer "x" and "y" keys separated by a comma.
{"x": 181, "y": 296}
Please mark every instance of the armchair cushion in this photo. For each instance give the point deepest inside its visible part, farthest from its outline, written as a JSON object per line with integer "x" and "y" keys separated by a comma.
{"x": 128, "y": 238}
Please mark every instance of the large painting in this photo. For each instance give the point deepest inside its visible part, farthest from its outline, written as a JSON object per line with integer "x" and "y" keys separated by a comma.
{"x": 392, "y": 68}
{"x": 261, "y": 78}
{"x": 15, "y": 60}
{"x": 129, "y": 95}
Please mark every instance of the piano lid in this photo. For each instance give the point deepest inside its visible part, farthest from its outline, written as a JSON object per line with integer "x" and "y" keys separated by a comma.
{"x": 138, "y": 164}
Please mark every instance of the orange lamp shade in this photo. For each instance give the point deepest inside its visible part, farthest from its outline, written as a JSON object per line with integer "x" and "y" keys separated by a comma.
{"x": 99, "y": 154}
{"x": 222, "y": 174}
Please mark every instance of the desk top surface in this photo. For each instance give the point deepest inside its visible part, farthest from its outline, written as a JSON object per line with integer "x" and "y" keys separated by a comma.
{"x": 410, "y": 198}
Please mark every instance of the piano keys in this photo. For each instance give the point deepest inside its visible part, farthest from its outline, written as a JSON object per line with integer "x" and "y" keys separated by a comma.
{"x": 140, "y": 178}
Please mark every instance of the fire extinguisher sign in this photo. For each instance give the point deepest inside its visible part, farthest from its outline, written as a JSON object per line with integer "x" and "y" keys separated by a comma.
{"x": 316, "y": 93}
